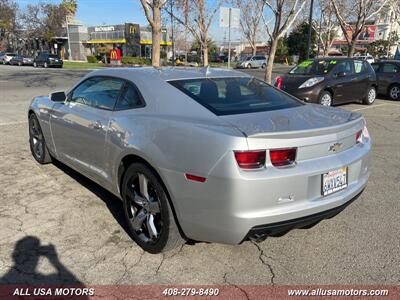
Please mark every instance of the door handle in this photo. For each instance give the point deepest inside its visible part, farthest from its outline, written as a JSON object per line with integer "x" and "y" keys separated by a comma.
{"x": 95, "y": 125}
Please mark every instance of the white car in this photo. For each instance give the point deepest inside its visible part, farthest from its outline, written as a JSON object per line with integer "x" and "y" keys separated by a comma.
{"x": 368, "y": 58}
{"x": 5, "y": 59}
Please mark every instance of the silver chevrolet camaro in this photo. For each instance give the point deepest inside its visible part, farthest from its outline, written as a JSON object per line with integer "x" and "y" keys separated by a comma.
{"x": 204, "y": 154}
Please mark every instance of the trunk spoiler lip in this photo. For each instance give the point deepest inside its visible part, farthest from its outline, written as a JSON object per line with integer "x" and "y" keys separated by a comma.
{"x": 356, "y": 123}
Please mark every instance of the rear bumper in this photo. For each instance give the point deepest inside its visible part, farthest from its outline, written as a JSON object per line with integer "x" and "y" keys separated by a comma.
{"x": 233, "y": 205}
{"x": 260, "y": 232}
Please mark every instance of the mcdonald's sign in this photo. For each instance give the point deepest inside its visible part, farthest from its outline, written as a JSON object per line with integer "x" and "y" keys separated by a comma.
{"x": 115, "y": 54}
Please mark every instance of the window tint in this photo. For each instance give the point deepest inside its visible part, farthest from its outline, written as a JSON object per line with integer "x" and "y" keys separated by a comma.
{"x": 390, "y": 68}
{"x": 130, "y": 98}
{"x": 99, "y": 92}
{"x": 359, "y": 66}
{"x": 344, "y": 66}
{"x": 53, "y": 56}
{"x": 375, "y": 67}
{"x": 227, "y": 96}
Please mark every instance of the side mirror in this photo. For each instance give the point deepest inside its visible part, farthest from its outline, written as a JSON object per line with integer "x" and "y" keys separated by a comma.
{"x": 58, "y": 96}
{"x": 341, "y": 74}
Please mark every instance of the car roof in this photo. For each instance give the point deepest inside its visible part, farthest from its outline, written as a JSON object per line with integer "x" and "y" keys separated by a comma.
{"x": 395, "y": 61}
{"x": 170, "y": 73}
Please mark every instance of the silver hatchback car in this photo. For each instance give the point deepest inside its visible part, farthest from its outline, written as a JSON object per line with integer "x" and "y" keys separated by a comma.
{"x": 204, "y": 154}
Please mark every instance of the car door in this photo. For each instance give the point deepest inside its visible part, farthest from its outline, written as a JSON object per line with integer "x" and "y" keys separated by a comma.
{"x": 80, "y": 125}
{"x": 342, "y": 81}
{"x": 361, "y": 79}
{"x": 387, "y": 75}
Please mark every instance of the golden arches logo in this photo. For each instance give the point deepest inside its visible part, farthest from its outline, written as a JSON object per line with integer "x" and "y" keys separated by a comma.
{"x": 132, "y": 29}
{"x": 113, "y": 55}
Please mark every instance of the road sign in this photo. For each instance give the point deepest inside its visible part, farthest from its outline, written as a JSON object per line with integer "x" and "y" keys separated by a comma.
{"x": 224, "y": 17}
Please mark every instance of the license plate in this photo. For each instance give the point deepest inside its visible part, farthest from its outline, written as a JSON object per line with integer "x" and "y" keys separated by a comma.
{"x": 334, "y": 181}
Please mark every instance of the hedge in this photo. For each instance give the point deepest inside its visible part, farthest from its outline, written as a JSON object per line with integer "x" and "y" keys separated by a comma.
{"x": 129, "y": 60}
{"x": 91, "y": 59}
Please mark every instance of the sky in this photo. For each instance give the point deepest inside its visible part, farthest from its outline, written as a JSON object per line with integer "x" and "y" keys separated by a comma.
{"x": 111, "y": 12}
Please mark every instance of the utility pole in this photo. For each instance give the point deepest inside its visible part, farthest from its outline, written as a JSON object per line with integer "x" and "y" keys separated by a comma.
{"x": 309, "y": 29}
{"x": 172, "y": 33}
{"x": 69, "y": 41}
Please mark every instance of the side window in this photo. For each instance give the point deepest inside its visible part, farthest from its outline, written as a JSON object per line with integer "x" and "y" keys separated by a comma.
{"x": 390, "y": 68}
{"x": 344, "y": 66}
{"x": 375, "y": 67}
{"x": 358, "y": 66}
{"x": 130, "y": 98}
{"x": 99, "y": 92}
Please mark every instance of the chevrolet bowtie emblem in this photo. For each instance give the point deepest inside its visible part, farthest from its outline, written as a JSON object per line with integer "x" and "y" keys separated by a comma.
{"x": 335, "y": 147}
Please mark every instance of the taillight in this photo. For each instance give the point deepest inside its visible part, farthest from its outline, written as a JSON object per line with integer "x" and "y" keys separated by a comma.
{"x": 362, "y": 136}
{"x": 278, "y": 82}
{"x": 282, "y": 157}
{"x": 250, "y": 159}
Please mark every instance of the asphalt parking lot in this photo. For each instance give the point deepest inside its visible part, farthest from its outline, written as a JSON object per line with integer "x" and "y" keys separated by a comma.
{"x": 49, "y": 205}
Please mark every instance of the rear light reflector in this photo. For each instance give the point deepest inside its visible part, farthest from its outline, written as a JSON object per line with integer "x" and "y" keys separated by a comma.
{"x": 282, "y": 157}
{"x": 195, "y": 178}
{"x": 278, "y": 82}
{"x": 250, "y": 159}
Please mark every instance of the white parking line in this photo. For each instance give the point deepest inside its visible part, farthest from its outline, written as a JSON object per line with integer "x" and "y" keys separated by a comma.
{"x": 374, "y": 106}
{"x": 13, "y": 123}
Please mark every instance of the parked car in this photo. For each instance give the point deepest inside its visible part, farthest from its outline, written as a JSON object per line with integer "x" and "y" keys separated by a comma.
{"x": 388, "y": 76}
{"x": 5, "y": 59}
{"x": 47, "y": 60}
{"x": 256, "y": 61}
{"x": 21, "y": 60}
{"x": 276, "y": 163}
{"x": 368, "y": 58}
{"x": 330, "y": 81}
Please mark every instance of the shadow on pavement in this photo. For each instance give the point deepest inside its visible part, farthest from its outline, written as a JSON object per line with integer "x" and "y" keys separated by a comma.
{"x": 26, "y": 255}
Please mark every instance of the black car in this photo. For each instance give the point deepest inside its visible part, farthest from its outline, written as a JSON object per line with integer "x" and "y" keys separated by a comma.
{"x": 388, "y": 76}
{"x": 21, "y": 60}
{"x": 330, "y": 81}
{"x": 47, "y": 60}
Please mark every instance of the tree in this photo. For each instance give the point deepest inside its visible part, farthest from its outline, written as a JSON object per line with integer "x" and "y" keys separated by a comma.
{"x": 327, "y": 26}
{"x": 353, "y": 15}
{"x": 8, "y": 22}
{"x": 251, "y": 13}
{"x": 152, "y": 10}
{"x": 378, "y": 48}
{"x": 197, "y": 16}
{"x": 211, "y": 47}
{"x": 298, "y": 38}
{"x": 284, "y": 14}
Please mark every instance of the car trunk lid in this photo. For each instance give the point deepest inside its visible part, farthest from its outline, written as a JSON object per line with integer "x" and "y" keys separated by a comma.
{"x": 314, "y": 130}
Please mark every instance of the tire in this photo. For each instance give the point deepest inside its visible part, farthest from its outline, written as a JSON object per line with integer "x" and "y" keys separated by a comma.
{"x": 37, "y": 142}
{"x": 45, "y": 65}
{"x": 325, "y": 99}
{"x": 248, "y": 66}
{"x": 263, "y": 66}
{"x": 394, "y": 92}
{"x": 371, "y": 96}
{"x": 140, "y": 187}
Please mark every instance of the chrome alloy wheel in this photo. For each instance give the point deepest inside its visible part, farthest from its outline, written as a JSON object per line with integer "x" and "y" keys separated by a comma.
{"x": 36, "y": 138}
{"x": 144, "y": 209}
{"x": 395, "y": 93}
{"x": 371, "y": 95}
{"x": 326, "y": 100}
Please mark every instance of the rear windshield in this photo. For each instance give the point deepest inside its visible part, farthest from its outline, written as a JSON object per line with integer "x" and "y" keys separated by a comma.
{"x": 53, "y": 56}
{"x": 10, "y": 54}
{"x": 235, "y": 95}
{"x": 314, "y": 67}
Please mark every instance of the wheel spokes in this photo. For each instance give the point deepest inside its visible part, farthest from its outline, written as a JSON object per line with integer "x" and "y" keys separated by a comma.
{"x": 143, "y": 186}
{"x": 139, "y": 219}
{"x": 151, "y": 228}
